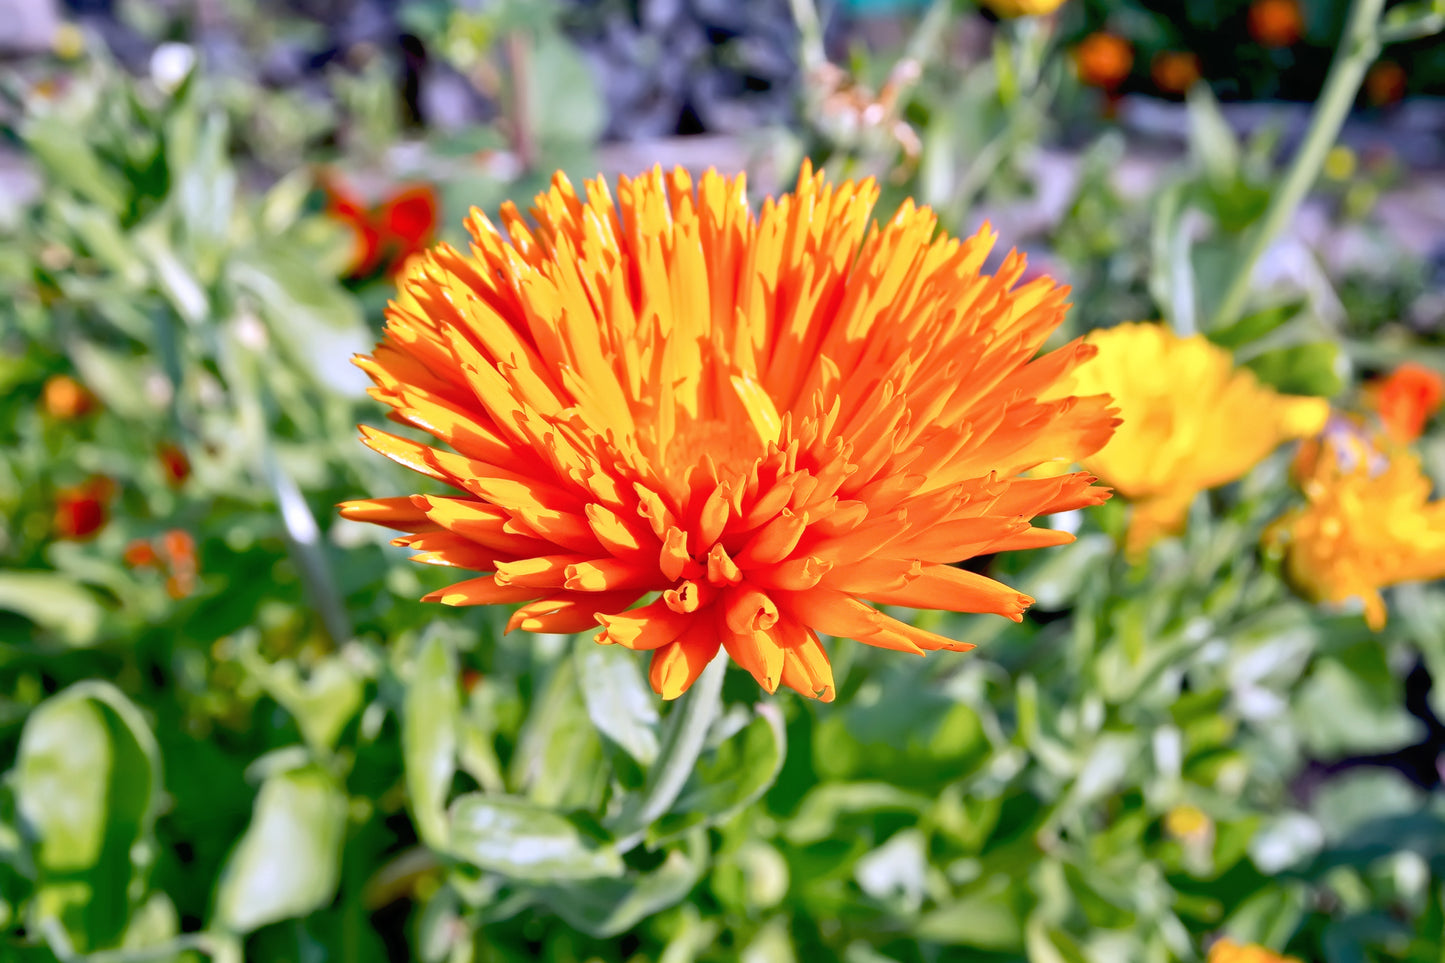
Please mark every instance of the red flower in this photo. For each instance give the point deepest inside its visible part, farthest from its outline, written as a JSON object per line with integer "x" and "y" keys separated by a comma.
{"x": 1276, "y": 23}
{"x": 174, "y": 463}
{"x": 387, "y": 235}
{"x": 1405, "y": 400}
{"x": 81, "y": 510}
{"x": 1104, "y": 60}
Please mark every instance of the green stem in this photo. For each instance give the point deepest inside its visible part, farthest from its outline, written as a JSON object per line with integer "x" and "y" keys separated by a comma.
{"x": 687, "y": 728}
{"x": 1358, "y": 48}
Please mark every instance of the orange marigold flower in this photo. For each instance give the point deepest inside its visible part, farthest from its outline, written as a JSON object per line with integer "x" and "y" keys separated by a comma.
{"x": 140, "y": 553}
{"x": 1405, "y": 400}
{"x": 66, "y": 399}
{"x": 1192, "y": 421}
{"x": 1276, "y": 23}
{"x": 764, "y": 421}
{"x": 1227, "y": 951}
{"x": 1023, "y": 8}
{"x": 1175, "y": 71}
{"x": 1385, "y": 83}
{"x": 82, "y": 510}
{"x": 1104, "y": 60}
{"x": 1368, "y": 523}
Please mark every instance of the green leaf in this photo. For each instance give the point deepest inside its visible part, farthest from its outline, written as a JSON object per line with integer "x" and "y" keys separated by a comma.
{"x": 289, "y": 860}
{"x": 86, "y": 782}
{"x": 1211, "y": 139}
{"x": 564, "y": 101}
{"x": 618, "y": 700}
{"x": 53, "y": 602}
{"x": 60, "y": 145}
{"x": 1317, "y": 368}
{"x": 559, "y": 760}
{"x": 1253, "y": 327}
{"x": 988, "y": 921}
{"x": 429, "y": 736}
{"x": 735, "y": 774}
{"x": 525, "y": 841}
{"x": 604, "y": 908}
{"x": 817, "y": 818}
{"x": 322, "y": 704}
{"x": 1339, "y": 712}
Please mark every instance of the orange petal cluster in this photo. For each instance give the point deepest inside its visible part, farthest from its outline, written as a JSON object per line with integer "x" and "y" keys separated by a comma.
{"x": 753, "y": 424}
{"x": 1226, "y": 950}
{"x": 1405, "y": 400}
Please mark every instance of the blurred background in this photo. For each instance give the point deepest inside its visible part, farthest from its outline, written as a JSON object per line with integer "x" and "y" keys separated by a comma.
{"x": 213, "y": 692}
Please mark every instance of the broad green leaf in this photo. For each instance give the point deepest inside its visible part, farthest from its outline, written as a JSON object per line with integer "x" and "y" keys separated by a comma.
{"x": 559, "y": 761}
{"x": 1317, "y": 368}
{"x": 733, "y": 775}
{"x": 289, "y": 860}
{"x": 564, "y": 102}
{"x": 53, "y": 602}
{"x": 429, "y": 736}
{"x": 115, "y": 378}
{"x": 1353, "y": 799}
{"x": 60, "y": 145}
{"x": 524, "y": 841}
{"x": 606, "y": 907}
{"x": 985, "y": 922}
{"x": 86, "y": 783}
{"x": 1338, "y": 712}
{"x": 621, "y": 705}
{"x": 818, "y": 816}
{"x": 1255, "y": 326}
{"x": 322, "y": 703}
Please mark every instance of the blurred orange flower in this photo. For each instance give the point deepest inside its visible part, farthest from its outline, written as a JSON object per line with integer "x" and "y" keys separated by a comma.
{"x": 1104, "y": 60}
{"x": 66, "y": 399}
{"x": 176, "y": 556}
{"x": 387, "y": 235}
{"x": 1276, "y": 23}
{"x": 1405, "y": 400}
{"x": 1385, "y": 83}
{"x": 82, "y": 510}
{"x": 765, "y": 422}
{"x": 1368, "y": 523}
{"x": 1227, "y": 951}
{"x": 1175, "y": 71}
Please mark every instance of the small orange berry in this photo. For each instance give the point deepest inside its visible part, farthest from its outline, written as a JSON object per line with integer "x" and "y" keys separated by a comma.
{"x": 1104, "y": 60}
{"x": 1276, "y": 23}
{"x": 66, "y": 399}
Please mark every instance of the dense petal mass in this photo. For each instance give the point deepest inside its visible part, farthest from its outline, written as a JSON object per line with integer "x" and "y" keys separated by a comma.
{"x": 1192, "y": 421}
{"x": 764, "y": 422}
{"x": 1368, "y": 523}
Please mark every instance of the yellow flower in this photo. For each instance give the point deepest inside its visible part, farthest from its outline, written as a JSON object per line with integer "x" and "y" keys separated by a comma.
{"x": 1192, "y": 421}
{"x": 1227, "y": 951}
{"x": 763, "y": 426}
{"x": 1023, "y": 8}
{"x": 1368, "y": 523}
{"x": 1188, "y": 822}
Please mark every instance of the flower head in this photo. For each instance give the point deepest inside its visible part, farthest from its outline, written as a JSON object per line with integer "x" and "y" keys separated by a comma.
{"x": 1023, "y": 8}
{"x": 1385, "y": 83}
{"x": 1175, "y": 71}
{"x": 1104, "y": 60}
{"x": 386, "y": 236}
{"x": 1276, "y": 23}
{"x": 1368, "y": 523}
{"x": 1226, "y": 950}
{"x": 82, "y": 510}
{"x": 757, "y": 424}
{"x": 66, "y": 399}
{"x": 1405, "y": 400}
{"x": 1192, "y": 421}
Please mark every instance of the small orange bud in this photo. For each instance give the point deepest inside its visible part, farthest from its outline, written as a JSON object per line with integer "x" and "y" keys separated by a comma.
{"x": 141, "y": 554}
{"x": 1104, "y": 60}
{"x": 66, "y": 399}
{"x": 1175, "y": 71}
{"x": 1276, "y": 23}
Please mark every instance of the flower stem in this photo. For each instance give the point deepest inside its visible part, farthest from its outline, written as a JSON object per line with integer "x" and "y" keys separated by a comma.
{"x": 687, "y": 727}
{"x": 1358, "y": 48}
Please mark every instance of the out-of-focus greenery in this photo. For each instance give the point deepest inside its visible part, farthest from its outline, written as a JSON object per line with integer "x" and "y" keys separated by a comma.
{"x": 292, "y": 759}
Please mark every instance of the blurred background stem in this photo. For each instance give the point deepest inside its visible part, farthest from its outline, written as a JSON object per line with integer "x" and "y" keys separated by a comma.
{"x": 1358, "y": 49}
